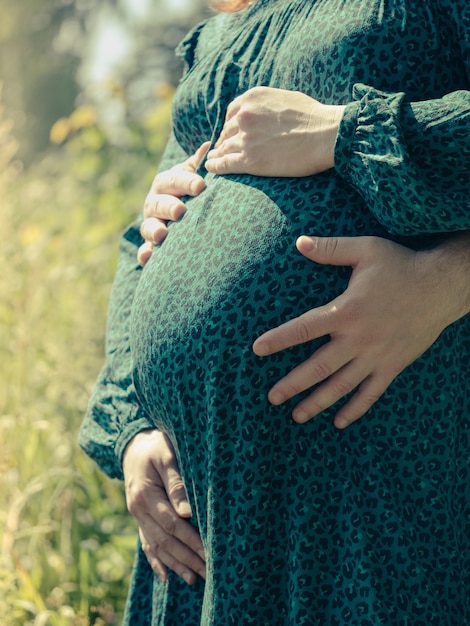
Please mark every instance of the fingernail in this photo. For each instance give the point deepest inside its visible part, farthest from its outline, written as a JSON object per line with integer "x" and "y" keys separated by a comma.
{"x": 300, "y": 416}
{"x": 307, "y": 243}
{"x": 276, "y": 397}
{"x": 193, "y": 187}
{"x": 259, "y": 348}
{"x": 202, "y": 555}
{"x": 184, "y": 509}
{"x": 187, "y": 578}
{"x": 341, "y": 423}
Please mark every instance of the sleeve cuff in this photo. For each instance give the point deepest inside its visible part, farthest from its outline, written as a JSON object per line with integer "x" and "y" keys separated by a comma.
{"x": 127, "y": 434}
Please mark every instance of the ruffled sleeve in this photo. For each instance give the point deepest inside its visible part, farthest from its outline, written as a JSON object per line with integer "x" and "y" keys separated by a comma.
{"x": 410, "y": 161}
{"x": 114, "y": 415}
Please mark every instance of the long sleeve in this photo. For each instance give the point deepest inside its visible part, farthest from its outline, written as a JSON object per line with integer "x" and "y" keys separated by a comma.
{"x": 410, "y": 161}
{"x": 114, "y": 416}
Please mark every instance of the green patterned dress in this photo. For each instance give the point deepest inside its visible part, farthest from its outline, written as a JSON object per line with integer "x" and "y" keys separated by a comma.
{"x": 303, "y": 525}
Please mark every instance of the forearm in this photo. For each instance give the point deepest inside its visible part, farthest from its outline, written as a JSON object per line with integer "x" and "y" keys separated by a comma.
{"x": 448, "y": 267}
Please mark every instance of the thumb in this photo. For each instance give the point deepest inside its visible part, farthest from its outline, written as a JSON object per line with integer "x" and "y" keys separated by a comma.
{"x": 332, "y": 250}
{"x": 176, "y": 492}
{"x": 195, "y": 160}
{"x": 195, "y": 182}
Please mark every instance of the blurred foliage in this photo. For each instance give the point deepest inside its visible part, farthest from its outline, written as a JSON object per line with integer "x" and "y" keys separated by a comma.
{"x": 68, "y": 188}
{"x": 67, "y": 541}
{"x": 39, "y": 84}
{"x": 57, "y": 54}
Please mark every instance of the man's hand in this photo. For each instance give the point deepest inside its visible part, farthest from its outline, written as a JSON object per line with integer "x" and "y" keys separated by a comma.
{"x": 156, "y": 497}
{"x": 163, "y": 202}
{"x": 397, "y": 303}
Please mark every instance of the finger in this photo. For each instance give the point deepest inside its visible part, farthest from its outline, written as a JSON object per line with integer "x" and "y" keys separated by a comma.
{"x": 311, "y": 325}
{"x": 365, "y": 397}
{"x": 325, "y": 395}
{"x": 229, "y": 145}
{"x": 321, "y": 365}
{"x": 179, "y": 181}
{"x": 234, "y": 107}
{"x": 155, "y": 563}
{"x": 226, "y": 164}
{"x": 153, "y": 230}
{"x": 160, "y": 564}
{"x": 176, "y": 492}
{"x": 144, "y": 253}
{"x": 164, "y": 206}
{"x": 160, "y": 541}
{"x": 230, "y": 129}
{"x": 188, "y": 572}
{"x": 347, "y": 251}
{"x": 195, "y": 160}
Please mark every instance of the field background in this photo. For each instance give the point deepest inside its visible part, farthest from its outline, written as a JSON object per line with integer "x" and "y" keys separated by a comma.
{"x": 85, "y": 99}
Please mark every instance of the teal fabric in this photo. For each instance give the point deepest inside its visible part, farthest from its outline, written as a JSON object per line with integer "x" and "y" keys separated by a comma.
{"x": 303, "y": 524}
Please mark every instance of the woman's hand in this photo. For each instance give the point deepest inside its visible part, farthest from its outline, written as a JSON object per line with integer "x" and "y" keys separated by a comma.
{"x": 274, "y": 132}
{"x": 156, "y": 497}
{"x": 163, "y": 200}
{"x": 397, "y": 303}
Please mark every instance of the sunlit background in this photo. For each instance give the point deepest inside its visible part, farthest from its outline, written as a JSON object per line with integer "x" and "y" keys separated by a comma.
{"x": 85, "y": 96}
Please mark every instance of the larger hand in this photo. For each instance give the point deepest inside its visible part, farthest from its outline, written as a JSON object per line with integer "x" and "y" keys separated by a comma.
{"x": 397, "y": 303}
{"x": 275, "y": 132}
{"x": 157, "y": 499}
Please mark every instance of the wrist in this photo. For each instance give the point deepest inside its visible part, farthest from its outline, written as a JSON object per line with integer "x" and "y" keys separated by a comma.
{"x": 332, "y": 120}
{"x": 139, "y": 437}
{"x": 447, "y": 271}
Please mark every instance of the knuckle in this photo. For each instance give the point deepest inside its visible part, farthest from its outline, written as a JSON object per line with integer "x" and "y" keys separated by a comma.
{"x": 255, "y": 92}
{"x": 164, "y": 544}
{"x": 247, "y": 116}
{"x": 166, "y": 182}
{"x": 154, "y": 548}
{"x": 233, "y": 106}
{"x": 330, "y": 245}
{"x": 169, "y": 525}
{"x": 148, "y": 205}
{"x": 158, "y": 183}
{"x": 136, "y": 498}
{"x": 220, "y": 165}
{"x": 352, "y": 310}
{"x": 373, "y": 389}
{"x": 172, "y": 181}
{"x": 176, "y": 488}
{"x": 290, "y": 388}
{"x": 342, "y": 386}
{"x": 301, "y": 330}
{"x": 368, "y": 399}
{"x": 131, "y": 507}
{"x": 319, "y": 370}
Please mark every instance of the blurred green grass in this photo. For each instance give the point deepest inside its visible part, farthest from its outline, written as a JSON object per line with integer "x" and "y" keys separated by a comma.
{"x": 66, "y": 539}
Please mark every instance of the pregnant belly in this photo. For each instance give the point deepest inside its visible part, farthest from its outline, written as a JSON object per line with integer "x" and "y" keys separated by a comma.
{"x": 227, "y": 271}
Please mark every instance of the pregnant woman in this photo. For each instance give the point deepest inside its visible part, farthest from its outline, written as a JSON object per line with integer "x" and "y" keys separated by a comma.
{"x": 301, "y": 523}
